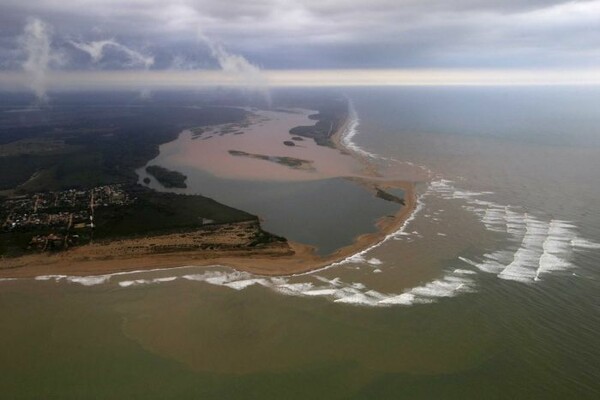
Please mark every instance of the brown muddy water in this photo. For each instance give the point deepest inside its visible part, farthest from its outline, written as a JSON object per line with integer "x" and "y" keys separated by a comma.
{"x": 491, "y": 290}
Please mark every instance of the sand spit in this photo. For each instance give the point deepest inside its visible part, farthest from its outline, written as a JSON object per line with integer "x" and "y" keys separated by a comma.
{"x": 272, "y": 259}
{"x": 194, "y": 248}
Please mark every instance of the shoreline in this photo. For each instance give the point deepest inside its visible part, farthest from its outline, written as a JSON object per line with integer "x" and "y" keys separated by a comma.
{"x": 272, "y": 260}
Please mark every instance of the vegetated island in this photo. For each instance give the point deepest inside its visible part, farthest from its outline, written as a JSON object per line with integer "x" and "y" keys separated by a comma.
{"x": 290, "y": 162}
{"x": 167, "y": 178}
{"x": 88, "y": 219}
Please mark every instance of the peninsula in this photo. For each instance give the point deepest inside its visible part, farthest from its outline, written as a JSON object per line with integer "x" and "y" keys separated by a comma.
{"x": 125, "y": 226}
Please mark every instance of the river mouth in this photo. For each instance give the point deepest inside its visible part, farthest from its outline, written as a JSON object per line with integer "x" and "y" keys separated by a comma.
{"x": 315, "y": 205}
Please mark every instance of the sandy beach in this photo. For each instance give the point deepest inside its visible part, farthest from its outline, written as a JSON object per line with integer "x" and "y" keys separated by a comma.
{"x": 273, "y": 259}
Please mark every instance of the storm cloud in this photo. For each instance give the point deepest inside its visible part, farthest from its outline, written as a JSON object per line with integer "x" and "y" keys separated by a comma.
{"x": 310, "y": 34}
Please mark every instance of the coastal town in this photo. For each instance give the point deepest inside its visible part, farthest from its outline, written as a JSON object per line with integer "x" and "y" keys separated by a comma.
{"x": 58, "y": 220}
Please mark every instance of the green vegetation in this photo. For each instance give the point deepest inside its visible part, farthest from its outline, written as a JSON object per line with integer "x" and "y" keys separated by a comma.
{"x": 156, "y": 213}
{"x": 84, "y": 147}
{"x": 145, "y": 213}
{"x": 330, "y": 118}
{"x": 91, "y": 146}
{"x": 166, "y": 177}
{"x": 36, "y": 146}
{"x": 382, "y": 194}
{"x": 287, "y": 161}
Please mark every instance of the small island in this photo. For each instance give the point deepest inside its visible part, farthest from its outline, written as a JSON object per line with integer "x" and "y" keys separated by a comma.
{"x": 290, "y": 162}
{"x": 167, "y": 178}
{"x": 98, "y": 216}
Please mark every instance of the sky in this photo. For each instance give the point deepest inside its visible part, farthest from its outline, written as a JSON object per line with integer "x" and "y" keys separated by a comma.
{"x": 246, "y": 38}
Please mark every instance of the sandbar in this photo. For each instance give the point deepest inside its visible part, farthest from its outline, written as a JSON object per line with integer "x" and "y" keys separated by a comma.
{"x": 273, "y": 259}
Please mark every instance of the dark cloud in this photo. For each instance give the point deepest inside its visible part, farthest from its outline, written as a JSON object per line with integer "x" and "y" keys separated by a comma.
{"x": 320, "y": 33}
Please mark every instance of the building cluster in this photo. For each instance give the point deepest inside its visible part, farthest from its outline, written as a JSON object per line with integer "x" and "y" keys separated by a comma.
{"x": 58, "y": 217}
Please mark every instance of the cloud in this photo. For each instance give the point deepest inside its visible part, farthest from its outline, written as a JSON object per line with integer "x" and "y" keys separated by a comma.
{"x": 97, "y": 50}
{"x": 248, "y": 73}
{"x": 290, "y": 34}
{"x": 235, "y": 64}
{"x": 36, "y": 43}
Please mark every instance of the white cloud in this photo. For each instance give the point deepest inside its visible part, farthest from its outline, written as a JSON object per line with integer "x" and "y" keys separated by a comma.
{"x": 345, "y": 33}
{"x": 96, "y": 50}
{"x": 36, "y": 43}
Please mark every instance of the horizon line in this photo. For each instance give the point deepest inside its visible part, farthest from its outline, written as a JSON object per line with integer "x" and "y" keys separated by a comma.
{"x": 165, "y": 79}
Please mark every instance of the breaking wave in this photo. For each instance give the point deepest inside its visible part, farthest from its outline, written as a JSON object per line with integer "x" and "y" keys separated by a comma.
{"x": 351, "y": 131}
{"x": 456, "y": 281}
{"x": 538, "y": 247}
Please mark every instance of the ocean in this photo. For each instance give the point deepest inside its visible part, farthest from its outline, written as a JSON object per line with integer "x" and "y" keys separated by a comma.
{"x": 491, "y": 290}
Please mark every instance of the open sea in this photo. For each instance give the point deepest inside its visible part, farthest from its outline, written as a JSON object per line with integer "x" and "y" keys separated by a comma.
{"x": 491, "y": 290}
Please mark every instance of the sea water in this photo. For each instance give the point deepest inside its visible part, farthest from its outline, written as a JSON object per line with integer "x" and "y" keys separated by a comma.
{"x": 489, "y": 291}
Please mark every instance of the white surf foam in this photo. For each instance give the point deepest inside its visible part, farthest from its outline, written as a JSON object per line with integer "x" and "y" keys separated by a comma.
{"x": 294, "y": 289}
{"x": 138, "y": 282}
{"x": 81, "y": 280}
{"x": 453, "y": 283}
{"x": 352, "y": 131}
{"x": 130, "y": 283}
{"x": 369, "y": 298}
{"x": 526, "y": 259}
{"x": 354, "y": 293}
{"x": 243, "y": 284}
{"x": 147, "y": 281}
{"x": 50, "y": 277}
{"x": 557, "y": 248}
{"x": 320, "y": 292}
{"x": 464, "y": 271}
{"x": 584, "y": 244}
{"x": 543, "y": 246}
{"x": 89, "y": 280}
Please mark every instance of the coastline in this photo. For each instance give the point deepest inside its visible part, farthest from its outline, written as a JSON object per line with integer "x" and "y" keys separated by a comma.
{"x": 272, "y": 260}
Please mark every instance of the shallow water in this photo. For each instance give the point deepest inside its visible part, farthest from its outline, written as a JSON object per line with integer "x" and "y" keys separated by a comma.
{"x": 265, "y": 135}
{"x": 328, "y": 214}
{"x": 490, "y": 291}
{"x": 319, "y": 208}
